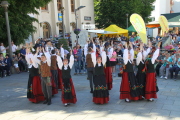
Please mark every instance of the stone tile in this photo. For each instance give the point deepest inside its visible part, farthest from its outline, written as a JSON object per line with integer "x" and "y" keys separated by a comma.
{"x": 164, "y": 101}
{"x": 146, "y": 117}
{"x": 165, "y": 118}
{"x": 160, "y": 112}
{"x": 170, "y": 93}
{"x": 76, "y": 117}
{"x": 5, "y": 116}
{"x": 23, "y": 118}
{"x": 171, "y": 107}
{"x": 176, "y": 102}
{"x": 175, "y": 114}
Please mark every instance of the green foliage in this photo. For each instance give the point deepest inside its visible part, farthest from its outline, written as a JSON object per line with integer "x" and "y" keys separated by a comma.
{"x": 64, "y": 42}
{"x": 19, "y": 20}
{"x": 109, "y": 12}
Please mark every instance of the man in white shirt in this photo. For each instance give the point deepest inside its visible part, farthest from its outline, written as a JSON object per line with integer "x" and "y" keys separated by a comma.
{"x": 14, "y": 47}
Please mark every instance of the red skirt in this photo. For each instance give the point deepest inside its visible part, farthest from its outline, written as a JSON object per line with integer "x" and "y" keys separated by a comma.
{"x": 150, "y": 87}
{"x": 73, "y": 100}
{"x": 37, "y": 90}
{"x": 59, "y": 78}
{"x": 108, "y": 73}
{"x": 100, "y": 100}
{"x": 54, "y": 90}
{"x": 125, "y": 88}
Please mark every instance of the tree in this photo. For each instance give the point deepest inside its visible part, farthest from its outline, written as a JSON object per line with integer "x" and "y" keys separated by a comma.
{"x": 109, "y": 12}
{"x": 20, "y": 22}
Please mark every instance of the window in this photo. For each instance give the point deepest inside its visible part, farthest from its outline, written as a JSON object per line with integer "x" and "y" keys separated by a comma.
{"x": 72, "y": 6}
{"x": 59, "y": 5}
{"x": 153, "y": 7}
{"x": 44, "y": 8}
{"x": 152, "y": 19}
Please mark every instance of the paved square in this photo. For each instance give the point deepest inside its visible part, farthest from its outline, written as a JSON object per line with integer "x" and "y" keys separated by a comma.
{"x": 15, "y": 106}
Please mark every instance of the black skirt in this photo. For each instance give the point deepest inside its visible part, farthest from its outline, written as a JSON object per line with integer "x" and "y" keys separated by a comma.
{"x": 134, "y": 87}
{"x": 100, "y": 87}
{"x": 141, "y": 80}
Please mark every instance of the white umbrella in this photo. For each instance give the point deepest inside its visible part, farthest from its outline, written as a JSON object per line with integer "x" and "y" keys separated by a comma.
{"x": 101, "y": 32}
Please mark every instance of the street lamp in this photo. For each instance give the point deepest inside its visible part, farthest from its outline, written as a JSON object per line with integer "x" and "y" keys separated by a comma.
{"x": 5, "y": 5}
{"x": 76, "y": 17}
{"x": 127, "y": 19}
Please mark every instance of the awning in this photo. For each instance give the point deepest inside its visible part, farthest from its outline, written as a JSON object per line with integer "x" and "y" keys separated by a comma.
{"x": 154, "y": 24}
{"x": 131, "y": 29}
{"x": 172, "y": 17}
{"x": 101, "y": 32}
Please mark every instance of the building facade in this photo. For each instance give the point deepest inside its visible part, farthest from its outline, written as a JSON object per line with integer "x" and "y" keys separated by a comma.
{"x": 50, "y": 17}
{"x": 162, "y": 7}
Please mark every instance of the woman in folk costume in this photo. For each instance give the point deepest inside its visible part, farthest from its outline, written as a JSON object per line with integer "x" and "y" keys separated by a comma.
{"x": 101, "y": 93}
{"x": 34, "y": 90}
{"x": 141, "y": 73}
{"x": 129, "y": 89}
{"x": 108, "y": 69}
{"x": 60, "y": 71}
{"x": 68, "y": 91}
{"x": 151, "y": 81}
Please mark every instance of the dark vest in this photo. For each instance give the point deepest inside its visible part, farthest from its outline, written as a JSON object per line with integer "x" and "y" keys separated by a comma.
{"x": 99, "y": 70}
{"x": 108, "y": 64}
{"x": 66, "y": 74}
{"x": 128, "y": 67}
{"x": 53, "y": 63}
{"x": 33, "y": 71}
{"x": 89, "y": 61}
{"x": 150, "y": 66}
{"x": 45, "y": 70}
{"x": 140, "y": 67}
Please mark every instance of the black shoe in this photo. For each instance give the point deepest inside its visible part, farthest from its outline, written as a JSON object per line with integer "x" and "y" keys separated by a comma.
{"x": 49, "y": 102}
{"x": 91, "y": 90}
{"x": 45, "y": 102}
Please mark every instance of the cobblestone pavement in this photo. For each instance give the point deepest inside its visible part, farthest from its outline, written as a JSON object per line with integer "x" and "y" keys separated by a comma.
{"x": 15, "y": 106}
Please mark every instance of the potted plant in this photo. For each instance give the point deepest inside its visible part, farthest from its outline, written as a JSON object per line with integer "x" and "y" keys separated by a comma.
{"x": 77, "y": 31}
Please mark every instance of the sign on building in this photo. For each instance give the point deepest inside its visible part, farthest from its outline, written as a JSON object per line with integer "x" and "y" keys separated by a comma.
{"x": 87, "y": 18}
{"x": 88, "y": 26}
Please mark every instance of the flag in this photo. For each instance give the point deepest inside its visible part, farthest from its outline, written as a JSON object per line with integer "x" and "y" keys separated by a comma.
{"x": 60, "y": 16}
{"x": 164, "y": 24}
{"x": 139, "y": 25}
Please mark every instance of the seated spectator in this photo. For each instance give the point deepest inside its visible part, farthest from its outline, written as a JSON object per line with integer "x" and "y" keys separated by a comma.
{"x": 8, "y": 64}
{"x": 176, "y": 66}
{"x": 20, "y": 63}
{"x": 167, "y": 64}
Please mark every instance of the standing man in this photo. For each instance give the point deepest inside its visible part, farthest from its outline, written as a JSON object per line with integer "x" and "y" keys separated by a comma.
{"x": 54, "y": 67}
{"x": 79, "y": 58}
{"x": 14, "y": 47}
{"x": 90, "y": 66}
{"x": 45, "y": 68}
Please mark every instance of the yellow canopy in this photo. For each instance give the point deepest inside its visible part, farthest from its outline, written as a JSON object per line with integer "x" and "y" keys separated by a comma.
{"x": 115, "y": 28}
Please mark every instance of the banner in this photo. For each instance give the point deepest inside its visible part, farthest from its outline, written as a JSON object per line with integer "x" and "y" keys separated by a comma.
{"x": 139, "y": 25}
{"x": 164, "y": 24}
{"x": 60, "y": 16}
